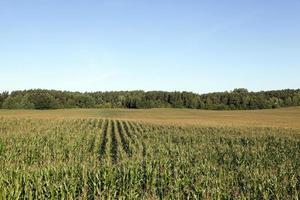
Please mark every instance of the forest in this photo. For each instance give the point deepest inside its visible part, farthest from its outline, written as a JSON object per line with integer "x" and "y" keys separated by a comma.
{"x": 238, "y": 99}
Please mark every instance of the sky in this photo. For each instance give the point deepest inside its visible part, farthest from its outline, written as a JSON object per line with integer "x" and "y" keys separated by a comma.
{"x": 173, "y": 45}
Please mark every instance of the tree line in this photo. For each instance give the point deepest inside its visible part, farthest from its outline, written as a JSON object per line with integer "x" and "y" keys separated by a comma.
{"x": 238, "y": 99}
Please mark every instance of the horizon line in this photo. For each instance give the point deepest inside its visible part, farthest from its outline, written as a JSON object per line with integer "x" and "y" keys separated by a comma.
{"x": 154, "y": 90}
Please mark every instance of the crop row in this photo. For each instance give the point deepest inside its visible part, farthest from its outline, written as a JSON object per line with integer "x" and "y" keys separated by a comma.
{"x": 113, "y": 159}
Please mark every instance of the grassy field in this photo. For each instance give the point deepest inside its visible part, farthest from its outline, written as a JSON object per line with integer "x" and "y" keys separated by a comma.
{"x": 284, "y": 118}
{"x": 140, "y": 154}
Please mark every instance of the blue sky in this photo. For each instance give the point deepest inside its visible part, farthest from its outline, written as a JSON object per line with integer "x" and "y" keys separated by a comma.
{"x": 191, "y": 45}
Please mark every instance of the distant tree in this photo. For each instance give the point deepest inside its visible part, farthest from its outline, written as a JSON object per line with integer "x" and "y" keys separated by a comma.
{"x": 201, "y": 104}
{"x": 288, "y": 101}
{"x": 245, "y": 102}
{"x": 239, "y": 98}
{"x": 240, "y": 90}
{"x": 3, "y": 96}
{"x": 274, "y": 102}
{"x": 43, "y": 101}
{"x": 190, "y": 100}
{"x": 18, "y": 102}
{"x": 296, "y": 99}
{"x": 84, "y": 101}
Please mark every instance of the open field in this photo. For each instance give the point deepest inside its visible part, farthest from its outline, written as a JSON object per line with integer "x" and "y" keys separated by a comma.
{"x": 140, "y": 154}
{"x": 112, "y": 159}
{"x": 284, "y": 118}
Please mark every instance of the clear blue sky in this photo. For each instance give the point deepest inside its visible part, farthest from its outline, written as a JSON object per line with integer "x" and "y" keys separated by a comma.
{"x": 191, "y": 45}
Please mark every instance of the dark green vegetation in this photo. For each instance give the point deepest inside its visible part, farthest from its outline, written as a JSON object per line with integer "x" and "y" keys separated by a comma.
{"x": 239, "y": 99}
{"x": 111, "y": 159}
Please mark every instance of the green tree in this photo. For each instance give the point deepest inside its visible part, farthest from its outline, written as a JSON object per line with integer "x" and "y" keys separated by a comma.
{"x": 288, "y": 101}
{"x": 43, "y": 101}
{"x": 240, "y": 90}
{"x": 3, "y": 96}
{"x": 84, "y": 101}
{"x": 18, "y": 102}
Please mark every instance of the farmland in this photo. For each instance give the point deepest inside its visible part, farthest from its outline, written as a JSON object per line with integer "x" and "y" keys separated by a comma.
{"x": 142, "y": 154}
{"x": 280, "y": 118}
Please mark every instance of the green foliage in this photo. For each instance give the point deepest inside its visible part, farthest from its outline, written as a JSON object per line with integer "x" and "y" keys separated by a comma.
{"x": 240, "y": 90}
{"x": 18, "y": 102}
{"x": 84, "y": 101}
{"x": 3, "y": 96}
{"x": 238, "y": 99}
{"x": 43, "y": 101}
{"x": 110, "y": 159}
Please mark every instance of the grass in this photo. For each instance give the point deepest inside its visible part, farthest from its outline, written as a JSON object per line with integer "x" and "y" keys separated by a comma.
{"x": 140, "y": 154}
{"x": 284, "y": 118}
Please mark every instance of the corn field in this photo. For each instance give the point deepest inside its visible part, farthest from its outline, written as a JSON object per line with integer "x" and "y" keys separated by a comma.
{"x": 113, "y": 159}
